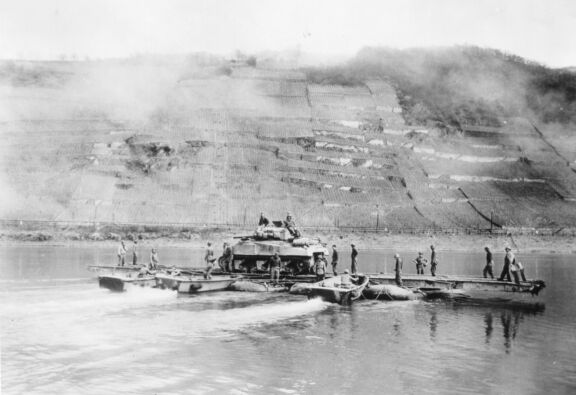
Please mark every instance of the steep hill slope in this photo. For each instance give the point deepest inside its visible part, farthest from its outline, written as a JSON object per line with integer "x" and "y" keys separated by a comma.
{"x": 202, "y": 140}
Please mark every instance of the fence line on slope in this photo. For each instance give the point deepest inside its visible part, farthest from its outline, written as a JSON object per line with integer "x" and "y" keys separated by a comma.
{"x": 144, "y": 227}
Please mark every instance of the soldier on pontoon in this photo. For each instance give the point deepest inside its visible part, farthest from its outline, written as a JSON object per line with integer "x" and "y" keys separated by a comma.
{"x": 517, "y": 270}
{"x": 354, "y": 259}
{"x": 334, "y": 259}
{"x": 420, "y": 263}
{"x": 225, "y": 261}
{"x": 134, "y": 252}
{"x": 153, "y": 259}
{"x": 489, "y": 268}
{"x": 398, "y": 269}
{"x": 320, "y": 265}
{"x": 345, "y": 279}
{"x": 433, "y": 261}
{"x": 274, "y": 265}
{"x": 209, "y": 259}
{"x": 508, "y": 259}
{"x": 121, "y": 253}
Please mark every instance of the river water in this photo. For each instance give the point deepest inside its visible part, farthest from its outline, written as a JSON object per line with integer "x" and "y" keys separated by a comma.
{"x": 61, "y": 334}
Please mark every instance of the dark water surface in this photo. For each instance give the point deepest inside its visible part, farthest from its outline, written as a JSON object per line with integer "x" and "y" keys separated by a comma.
{"x": 61, "y": 334}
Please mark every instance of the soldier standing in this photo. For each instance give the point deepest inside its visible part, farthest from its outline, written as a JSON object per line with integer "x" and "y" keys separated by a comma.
{"x": 420, "y": 263}
{"x": 209, "y": 259}
{"x": 398, "y": 269}
{"x": 508, "y": 259}
{"x": 320, "y": 267}
{"x": 334, "y": 259}
{"x": 354, "y": 258}
{"x": 134, "y": 253}
{"x": 489, "y": 268}
{"x": 274, "y": 263}
{"x": 121, "y": 253}
{"x": 433, "y": 261}
{"x": 153, "y": 259}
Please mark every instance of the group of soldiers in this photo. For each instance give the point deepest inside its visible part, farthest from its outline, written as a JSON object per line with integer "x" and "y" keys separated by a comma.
{"x": 420, "y": 262}
{"x": 288, "y": 223}
{"x": 123, "y": 251}
{"x": 512, "y": 267}
{"x": 320, "y": 265}
{"x": 513, "y": 270}
{"x": 226, "y": 260}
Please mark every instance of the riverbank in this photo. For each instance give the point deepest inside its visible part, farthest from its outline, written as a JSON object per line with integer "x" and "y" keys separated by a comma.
{"x": 368, "y": 240}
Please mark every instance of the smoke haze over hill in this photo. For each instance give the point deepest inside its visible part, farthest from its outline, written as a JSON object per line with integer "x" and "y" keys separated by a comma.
{"x": 463, "y": 85}
{"x": 422, "y": 138}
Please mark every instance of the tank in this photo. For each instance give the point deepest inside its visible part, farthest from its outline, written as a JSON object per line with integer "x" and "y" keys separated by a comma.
{"x": 296, "y": 252}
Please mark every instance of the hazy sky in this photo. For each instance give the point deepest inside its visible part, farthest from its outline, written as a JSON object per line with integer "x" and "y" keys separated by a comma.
{"x": 541, "y": 30}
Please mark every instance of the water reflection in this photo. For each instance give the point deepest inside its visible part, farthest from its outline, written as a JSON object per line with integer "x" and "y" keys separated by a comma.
{"x": 510, "y": 319}
{"x": 335, "y": 320}
{"x": 271, "y": 343}
{"x": 510, "y": 324}
{"x": 489, "y": 324}
{"x": 396, "y": 328}
{"x": 433, "y": 324}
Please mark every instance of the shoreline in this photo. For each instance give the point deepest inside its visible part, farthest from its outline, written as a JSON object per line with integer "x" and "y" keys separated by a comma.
{"x": 371, "y": 241}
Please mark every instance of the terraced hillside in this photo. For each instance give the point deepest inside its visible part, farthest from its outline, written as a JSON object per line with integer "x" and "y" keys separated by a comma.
{"x": 215, "y": 142}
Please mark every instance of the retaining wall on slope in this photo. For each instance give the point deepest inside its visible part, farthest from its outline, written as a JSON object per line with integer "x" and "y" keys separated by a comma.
{"x": 226, "y": 147}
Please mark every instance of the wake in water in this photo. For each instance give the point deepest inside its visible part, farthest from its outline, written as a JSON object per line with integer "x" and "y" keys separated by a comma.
{"x": 87, "y": 316}
{"x": 48, "y": 281}
{"x": 274, "y": 312}
{"x": 84, "y": 299}
{"x": 191, "y": 325}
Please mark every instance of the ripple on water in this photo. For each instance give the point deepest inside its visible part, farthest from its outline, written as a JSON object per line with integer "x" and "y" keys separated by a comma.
{"x": 67, "y": 336}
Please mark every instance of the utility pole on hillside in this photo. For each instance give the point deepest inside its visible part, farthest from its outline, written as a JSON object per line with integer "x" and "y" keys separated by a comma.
{"x": 491, "y": 221}
{"x": 96, "y": 204}
{"x": 377, "y": 216}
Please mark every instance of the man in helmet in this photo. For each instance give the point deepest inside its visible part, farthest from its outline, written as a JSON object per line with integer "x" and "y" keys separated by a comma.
{"x": 153, "y": 265}
{"x": 320, "y": 264}
{"x": 291, "y": 226}
{"x": 354, "y": 259}
{"x": 508, "y": 259}
{"x": 263, "y": 221}
{"x": 398, "y": 269}
{"x": 433, "y": 261}
{"x": 121, "y": 253}
{"x": 489, "y": 268}
{"x": 334, "y": 259}
{"x": 345, "y": 279}
{"x": 274, "y": 264}
{"x": 420, "y": 263}
{"x": 209, "y": 259}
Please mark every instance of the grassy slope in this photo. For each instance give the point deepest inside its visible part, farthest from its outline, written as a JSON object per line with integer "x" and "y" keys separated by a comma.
{"x": 201, "y": 140}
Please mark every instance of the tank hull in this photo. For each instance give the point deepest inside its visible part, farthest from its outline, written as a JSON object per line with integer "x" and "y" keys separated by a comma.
{"x": 296, "y": 252}
{"x": 264, "y": 249}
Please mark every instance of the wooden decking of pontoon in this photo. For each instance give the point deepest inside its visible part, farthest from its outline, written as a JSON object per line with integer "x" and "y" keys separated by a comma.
{"x": 473, "y": 288}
